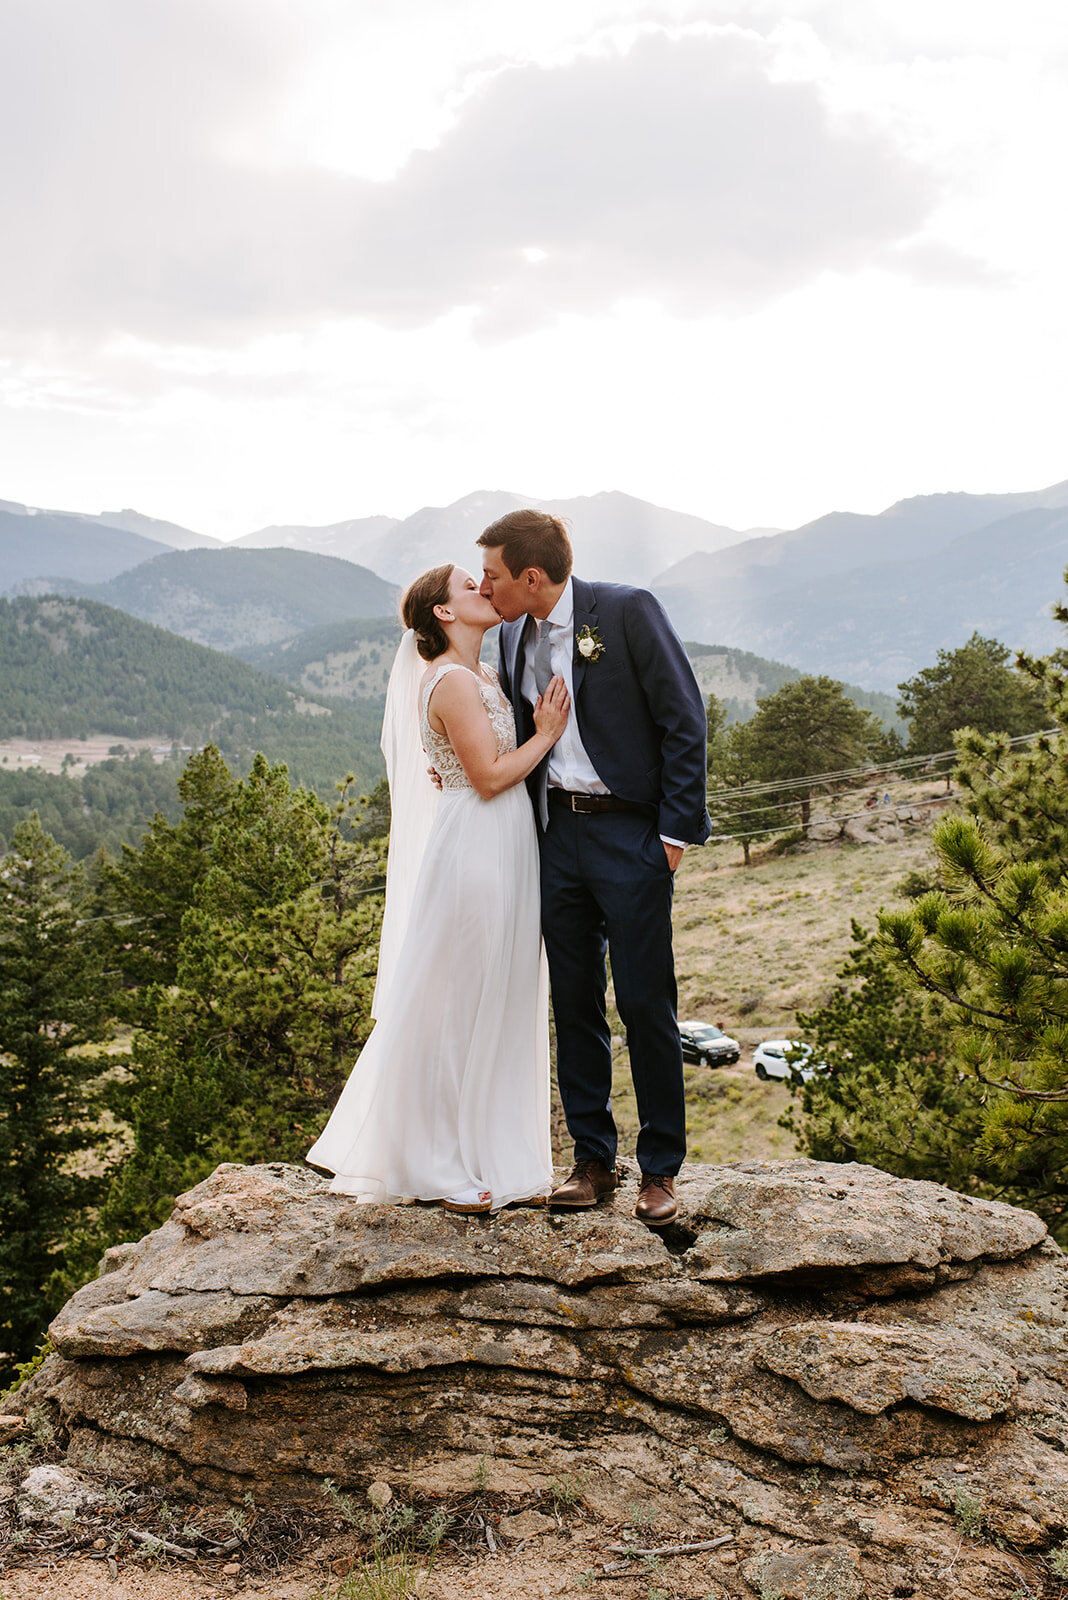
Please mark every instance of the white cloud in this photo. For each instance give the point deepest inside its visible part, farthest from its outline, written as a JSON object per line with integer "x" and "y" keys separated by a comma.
{"x": 297, "y": 260}
{"x": 678, "y": 171}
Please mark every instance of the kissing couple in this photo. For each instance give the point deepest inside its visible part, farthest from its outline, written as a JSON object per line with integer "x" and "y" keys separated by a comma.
{"x": 571, "y": 780}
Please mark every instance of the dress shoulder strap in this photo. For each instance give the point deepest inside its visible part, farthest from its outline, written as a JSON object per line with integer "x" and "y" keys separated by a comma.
{"x": 447, "y": 666}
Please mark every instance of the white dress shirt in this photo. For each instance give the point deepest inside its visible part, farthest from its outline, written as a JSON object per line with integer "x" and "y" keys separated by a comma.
{"x": 570, "y": 767}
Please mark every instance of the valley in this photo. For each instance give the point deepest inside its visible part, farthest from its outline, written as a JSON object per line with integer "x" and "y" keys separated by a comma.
{"x": 75, "y": 756}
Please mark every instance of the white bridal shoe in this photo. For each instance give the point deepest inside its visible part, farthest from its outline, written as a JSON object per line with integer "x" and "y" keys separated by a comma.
{"x": 469, "y": 1202}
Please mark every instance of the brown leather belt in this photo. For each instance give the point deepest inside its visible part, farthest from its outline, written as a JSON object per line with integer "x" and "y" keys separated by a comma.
{"x": 593, "y": 804}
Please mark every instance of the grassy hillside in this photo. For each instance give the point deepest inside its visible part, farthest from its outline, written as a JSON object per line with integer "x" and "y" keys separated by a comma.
{"x": 231, "y": 599}
{"x": 74, "y": 667}
{"x": 752, "y": 947}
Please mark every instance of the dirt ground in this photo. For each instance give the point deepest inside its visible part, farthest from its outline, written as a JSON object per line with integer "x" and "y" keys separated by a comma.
{"x": 537, "y": 1569}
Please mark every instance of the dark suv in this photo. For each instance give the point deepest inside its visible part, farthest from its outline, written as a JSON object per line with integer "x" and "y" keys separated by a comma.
{"x": 708, "y": 1046}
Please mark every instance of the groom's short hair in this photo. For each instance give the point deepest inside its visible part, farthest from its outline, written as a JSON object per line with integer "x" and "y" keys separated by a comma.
{"x": 531, "y": 539}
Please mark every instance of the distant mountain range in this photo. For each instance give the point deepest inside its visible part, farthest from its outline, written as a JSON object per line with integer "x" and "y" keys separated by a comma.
{"x": 229, "y": 599}
{"x": 358, "y": 540}
{"x": 167, "y": 533}
{"x": 872, "y": 599}
{"x": 617, "y": 537}
{"x": 36, "y": 545}
{"x": 867, "y": 599}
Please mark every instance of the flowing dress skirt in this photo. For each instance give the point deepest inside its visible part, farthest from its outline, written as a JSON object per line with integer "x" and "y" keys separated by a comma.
{"x": 451, "y": 1091}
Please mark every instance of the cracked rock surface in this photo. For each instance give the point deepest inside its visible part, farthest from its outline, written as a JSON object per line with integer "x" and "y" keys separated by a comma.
{"x": 865, "y": 1379}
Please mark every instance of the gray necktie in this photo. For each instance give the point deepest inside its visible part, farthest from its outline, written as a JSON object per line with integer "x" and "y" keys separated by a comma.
{"x": 543, "y": 663}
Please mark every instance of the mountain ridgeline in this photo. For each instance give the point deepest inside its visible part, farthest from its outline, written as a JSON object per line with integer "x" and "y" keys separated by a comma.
{"x": 873, "y": 599}
{"x": 867, "y": 599}
{"x": 38, "y": 546}
{"x": 232, "y": 598}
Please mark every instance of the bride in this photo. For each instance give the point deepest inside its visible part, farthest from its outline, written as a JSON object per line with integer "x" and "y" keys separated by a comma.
{"x": 449, "y": 1099}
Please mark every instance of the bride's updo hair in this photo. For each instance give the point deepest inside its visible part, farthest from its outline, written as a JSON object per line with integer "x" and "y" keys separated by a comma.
{"x": 417, "y": 610}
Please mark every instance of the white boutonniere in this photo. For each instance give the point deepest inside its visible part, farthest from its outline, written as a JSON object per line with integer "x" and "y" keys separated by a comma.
{"x": 589, "y": 644}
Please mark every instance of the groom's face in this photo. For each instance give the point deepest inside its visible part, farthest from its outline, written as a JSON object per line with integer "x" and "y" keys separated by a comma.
{"x": 509, "y": 596}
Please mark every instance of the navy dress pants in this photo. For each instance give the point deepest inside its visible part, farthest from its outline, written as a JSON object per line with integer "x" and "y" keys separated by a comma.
{"x": 606, "y": 887}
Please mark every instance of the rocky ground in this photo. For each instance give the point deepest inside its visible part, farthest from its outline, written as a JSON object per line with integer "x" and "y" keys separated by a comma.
{"x": 844, "y": 1384}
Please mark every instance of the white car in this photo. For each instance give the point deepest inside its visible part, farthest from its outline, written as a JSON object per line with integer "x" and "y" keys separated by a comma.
{"x": 769, "y": 1060}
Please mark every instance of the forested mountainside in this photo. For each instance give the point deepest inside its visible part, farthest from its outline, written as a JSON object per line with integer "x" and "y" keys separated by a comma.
{"x": 71, "y": 667}
{"x": 111, "y": 805}
{"x": 350, "y": 658}
{"x": 234, "y": 599}
{"x": 740, "y": 679}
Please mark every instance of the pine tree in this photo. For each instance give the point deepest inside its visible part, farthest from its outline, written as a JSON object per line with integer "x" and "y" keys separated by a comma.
{"x": 892, "y": 1096}
{"x": 971, "y": 687}
{"x": 144, "y": 896}
{"x": 992, "y": 943}
{"x": 242, "y": 1057}
{"x": 716, "y": 718}
{"x": 52, "y": 1004}
{"x": 739, "y": 803}
{"x": 810, "y": 726}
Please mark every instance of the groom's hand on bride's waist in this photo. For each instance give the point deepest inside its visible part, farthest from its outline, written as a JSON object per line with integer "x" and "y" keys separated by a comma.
{"x": 435, "y": 777}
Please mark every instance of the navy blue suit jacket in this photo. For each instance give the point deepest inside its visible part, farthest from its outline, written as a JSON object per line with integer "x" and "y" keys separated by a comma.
{"x": 641, "y": 716}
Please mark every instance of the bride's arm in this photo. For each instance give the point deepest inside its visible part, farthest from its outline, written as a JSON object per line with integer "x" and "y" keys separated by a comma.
{"x": 457, "y": 704}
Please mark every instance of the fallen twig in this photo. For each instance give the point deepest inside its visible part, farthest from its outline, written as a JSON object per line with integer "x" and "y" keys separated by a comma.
{"x": 633, "y": 1553}
{"x": 488, "y": 1531}
{"x": 616, "y": 1569}
{"x": 225, "y": 1548}
{"x": 163, "y": 1544}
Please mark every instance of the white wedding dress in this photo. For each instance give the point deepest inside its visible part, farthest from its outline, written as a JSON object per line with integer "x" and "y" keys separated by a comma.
{"x": 451, "y": 1091}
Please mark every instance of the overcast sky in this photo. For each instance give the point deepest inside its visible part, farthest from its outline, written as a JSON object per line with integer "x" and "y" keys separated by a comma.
{"x": 303, "y": 260}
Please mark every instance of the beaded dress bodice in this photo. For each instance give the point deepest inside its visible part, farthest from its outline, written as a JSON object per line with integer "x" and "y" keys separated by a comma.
{"x": 443, "y": 757}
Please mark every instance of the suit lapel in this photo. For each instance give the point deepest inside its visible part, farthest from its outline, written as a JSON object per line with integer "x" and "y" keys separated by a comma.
{"x": 585, "y": 616}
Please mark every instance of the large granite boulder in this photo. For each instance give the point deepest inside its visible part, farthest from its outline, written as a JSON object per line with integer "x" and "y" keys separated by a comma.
{"x": 846, "y": 1369}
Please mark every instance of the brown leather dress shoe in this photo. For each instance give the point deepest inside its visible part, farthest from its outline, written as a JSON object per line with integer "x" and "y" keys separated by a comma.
{"x": 657, "y": 1205}
{"x": 589, "y": 1182}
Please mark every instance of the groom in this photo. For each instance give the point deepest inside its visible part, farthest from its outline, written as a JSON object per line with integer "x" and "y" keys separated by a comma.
{"x": 619, "y": 797}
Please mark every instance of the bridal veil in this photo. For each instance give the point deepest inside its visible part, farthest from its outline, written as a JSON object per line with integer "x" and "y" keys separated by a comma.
{"x": 413, "y": 801}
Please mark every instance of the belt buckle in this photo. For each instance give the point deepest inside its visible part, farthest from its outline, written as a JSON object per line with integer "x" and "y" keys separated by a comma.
{"x": 575, "y": 798}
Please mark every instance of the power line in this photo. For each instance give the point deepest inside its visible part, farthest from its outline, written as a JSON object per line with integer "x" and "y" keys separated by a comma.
{"x": 872, "y": 768}
{"x": 847, "y": 816}
{"x": 786, "y": 806}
